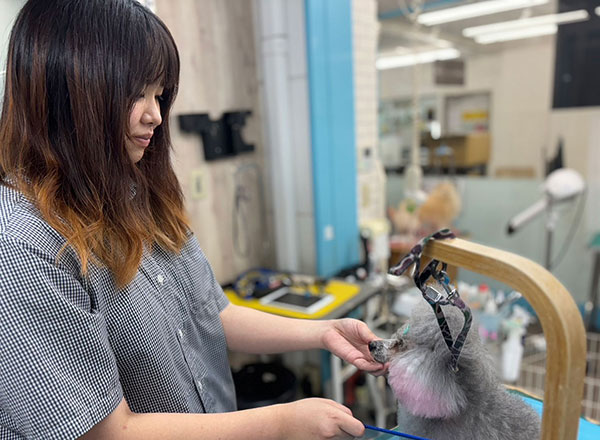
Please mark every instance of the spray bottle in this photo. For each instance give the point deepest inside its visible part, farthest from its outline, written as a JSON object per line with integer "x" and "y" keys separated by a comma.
{"x": 512, "y": 348}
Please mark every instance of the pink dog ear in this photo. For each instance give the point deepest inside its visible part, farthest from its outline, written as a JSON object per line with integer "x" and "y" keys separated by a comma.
{"x": 416, "y": 392}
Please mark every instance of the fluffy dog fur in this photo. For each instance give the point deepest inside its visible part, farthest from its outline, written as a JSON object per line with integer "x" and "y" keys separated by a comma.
{"x": 436, "y": 403}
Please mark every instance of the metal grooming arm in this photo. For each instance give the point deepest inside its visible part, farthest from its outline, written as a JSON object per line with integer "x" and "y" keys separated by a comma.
{"x": 559, "y": 316}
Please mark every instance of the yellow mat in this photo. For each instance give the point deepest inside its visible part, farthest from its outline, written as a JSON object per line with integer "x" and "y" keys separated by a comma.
{"x": 340, "y": 290}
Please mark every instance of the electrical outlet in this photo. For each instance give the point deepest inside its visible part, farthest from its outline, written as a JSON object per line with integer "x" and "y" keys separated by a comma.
{"x": 197, "y": 182}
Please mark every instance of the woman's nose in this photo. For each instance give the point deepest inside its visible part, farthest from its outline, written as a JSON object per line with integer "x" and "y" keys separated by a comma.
{"x": 152, "y": 114}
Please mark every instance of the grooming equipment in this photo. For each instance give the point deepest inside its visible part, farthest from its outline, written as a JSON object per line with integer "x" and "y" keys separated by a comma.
{"x": 434, "y": 297}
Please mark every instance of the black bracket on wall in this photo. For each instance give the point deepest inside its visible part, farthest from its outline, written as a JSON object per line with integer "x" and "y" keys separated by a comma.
{"x": 221, "y": 138}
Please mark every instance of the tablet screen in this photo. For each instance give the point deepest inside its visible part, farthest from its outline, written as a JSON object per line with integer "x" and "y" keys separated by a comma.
{"x": 297, "y": 299}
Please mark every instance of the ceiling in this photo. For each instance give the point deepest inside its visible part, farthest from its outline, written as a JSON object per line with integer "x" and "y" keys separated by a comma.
{"x": 397, "y": 29}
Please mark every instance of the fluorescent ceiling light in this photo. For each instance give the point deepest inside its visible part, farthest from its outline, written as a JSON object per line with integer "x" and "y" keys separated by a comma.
{"x": 565, "y": 17}
{"x": 475, "y": 9}
{"x": 517, "y": 34}
{"x": 597, "y": 10}
{"x": 402, "y": 60}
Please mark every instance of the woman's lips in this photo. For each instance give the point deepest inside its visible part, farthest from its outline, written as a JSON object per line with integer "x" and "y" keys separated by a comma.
{"x": 142, "y": 142}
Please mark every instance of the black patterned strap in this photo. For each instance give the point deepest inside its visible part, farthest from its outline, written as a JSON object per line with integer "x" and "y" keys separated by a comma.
{"x": 433, "y": 297}
{"x": 414, "y": 256}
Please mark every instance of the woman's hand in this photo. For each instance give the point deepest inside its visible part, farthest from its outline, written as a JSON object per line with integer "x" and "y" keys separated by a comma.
{"x": 317, "y": 418}
{"x": 349, "y": 339}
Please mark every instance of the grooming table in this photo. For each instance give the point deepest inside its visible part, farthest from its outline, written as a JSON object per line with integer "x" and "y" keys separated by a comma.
{"x": 560, "y": 319}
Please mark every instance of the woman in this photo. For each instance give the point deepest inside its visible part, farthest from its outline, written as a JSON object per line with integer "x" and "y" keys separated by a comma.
{"x": 113, "y": 325}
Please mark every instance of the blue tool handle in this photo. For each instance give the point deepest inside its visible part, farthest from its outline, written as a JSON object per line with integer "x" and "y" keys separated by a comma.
{"x": 396, "y": 433}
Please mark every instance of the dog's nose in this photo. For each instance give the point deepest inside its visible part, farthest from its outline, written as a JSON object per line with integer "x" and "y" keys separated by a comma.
{"x": 372, "y": 345}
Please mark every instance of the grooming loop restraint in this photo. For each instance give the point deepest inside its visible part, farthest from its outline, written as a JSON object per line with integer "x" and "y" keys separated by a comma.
{"x": 435, "y": 298}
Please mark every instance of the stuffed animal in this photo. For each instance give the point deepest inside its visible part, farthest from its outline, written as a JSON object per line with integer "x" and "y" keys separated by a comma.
{"x": 440, "y": 208}
{"x": 404, "y": 218}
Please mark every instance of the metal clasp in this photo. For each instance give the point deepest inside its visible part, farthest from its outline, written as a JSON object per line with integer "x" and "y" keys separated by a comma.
{"x": 433, "y": 294}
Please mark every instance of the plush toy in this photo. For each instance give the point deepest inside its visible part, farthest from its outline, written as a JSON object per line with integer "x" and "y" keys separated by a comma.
{"x": 440, "y": 208}
{"x": 404, "y": 218}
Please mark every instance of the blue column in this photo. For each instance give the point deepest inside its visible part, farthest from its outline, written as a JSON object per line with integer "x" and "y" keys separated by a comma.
{"x": 333, "y": 138}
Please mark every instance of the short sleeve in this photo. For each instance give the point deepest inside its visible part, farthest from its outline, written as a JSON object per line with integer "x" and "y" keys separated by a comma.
{"x": 220, "y": 297}
{"x": 197, "y": 265}
{"x": 59, "y": 375}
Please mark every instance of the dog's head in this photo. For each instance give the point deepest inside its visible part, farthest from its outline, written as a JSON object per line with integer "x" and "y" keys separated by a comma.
{"x": 420, "y": 372}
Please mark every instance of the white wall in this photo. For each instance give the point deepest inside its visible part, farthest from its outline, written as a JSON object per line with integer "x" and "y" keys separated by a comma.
{"x": 8, "y": 12}
{"x": 218, "y": 74}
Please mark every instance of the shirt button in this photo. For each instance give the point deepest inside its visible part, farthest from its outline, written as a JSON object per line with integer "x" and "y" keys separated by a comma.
{"x": 160, "y": 278}
{"x": 199, "y": 384}
{"x": 180, "y": 333}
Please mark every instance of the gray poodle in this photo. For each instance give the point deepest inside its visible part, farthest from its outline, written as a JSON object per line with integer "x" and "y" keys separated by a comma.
{"x": 439, "y": 404}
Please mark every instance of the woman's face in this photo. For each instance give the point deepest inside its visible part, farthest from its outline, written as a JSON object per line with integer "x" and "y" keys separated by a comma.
{"x": 143, "y": 119}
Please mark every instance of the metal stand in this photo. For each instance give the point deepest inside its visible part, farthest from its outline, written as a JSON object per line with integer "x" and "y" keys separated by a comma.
{"x": 591, "y": 306}
{"x": 550, "y": 226}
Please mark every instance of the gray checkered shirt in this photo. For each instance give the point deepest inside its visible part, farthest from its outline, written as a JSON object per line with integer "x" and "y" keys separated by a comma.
{"x": 71, "y": 347}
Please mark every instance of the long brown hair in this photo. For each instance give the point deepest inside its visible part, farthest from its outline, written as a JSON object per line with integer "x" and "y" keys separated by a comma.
{"x": 74, "y": 71}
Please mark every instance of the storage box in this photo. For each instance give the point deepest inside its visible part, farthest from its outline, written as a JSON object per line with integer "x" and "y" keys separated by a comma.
{"x": 463, "y": 151}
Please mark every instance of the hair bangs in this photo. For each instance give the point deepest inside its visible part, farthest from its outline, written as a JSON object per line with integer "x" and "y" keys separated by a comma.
{"x": 160, "y": 63}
